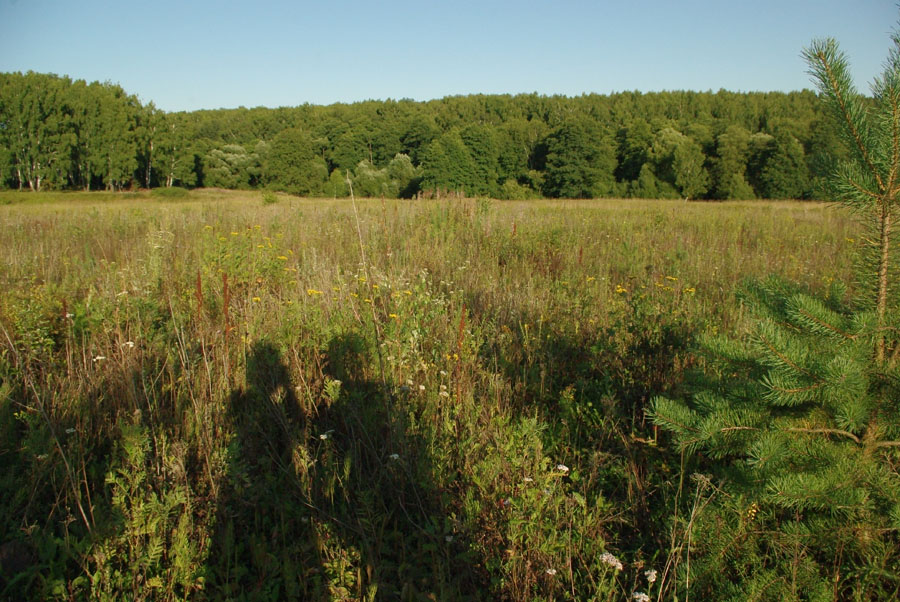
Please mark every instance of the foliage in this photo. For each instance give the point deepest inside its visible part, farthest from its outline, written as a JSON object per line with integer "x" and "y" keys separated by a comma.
{"x": 215, "y": 397}
{"x": 800, "y": 419}
{"x": 65, "y": 134}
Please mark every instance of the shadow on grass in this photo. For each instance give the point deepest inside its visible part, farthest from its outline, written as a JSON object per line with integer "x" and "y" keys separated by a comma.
{"x": 333, "y": 499}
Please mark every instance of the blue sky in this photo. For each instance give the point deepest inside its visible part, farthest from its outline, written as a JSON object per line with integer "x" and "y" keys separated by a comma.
{"x": 187, "y": 55}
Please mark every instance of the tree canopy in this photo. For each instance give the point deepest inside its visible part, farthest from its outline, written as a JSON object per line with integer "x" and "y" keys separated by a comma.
{"x": 58, "y": 133}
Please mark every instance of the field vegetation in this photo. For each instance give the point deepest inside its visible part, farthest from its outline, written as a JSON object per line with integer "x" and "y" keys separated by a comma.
{"x": 210, "y": 394}
{"x": 224, "y": 395}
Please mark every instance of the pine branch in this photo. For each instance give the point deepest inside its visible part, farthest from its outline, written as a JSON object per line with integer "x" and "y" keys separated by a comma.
{"x": 836, "y": 88}
{"x": 825, "y": 432}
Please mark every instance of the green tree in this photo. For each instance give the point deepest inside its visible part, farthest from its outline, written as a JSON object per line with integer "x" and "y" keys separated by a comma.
{"x": 580, "y": 162}
{"x": 295, "y": 163}
{"x": 174, "y": 157}
{"x": 481, "y": 141}
{"x": 634, "y": 140}
{"x": 730, "y": 166}
{"x": 680, "y": 162}
{"x": 802, "y": 417}
{"x": 785, "y": 174}
{"x": 403, "y": 177}
{"x": 691, "y": 176}
{"x": 228, "y": 167}
{"x": 447, "y": 165}
{"x": 337, "y": 184}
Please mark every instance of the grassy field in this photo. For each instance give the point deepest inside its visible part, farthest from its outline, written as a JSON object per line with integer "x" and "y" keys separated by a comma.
{"x": 211, "y": 396}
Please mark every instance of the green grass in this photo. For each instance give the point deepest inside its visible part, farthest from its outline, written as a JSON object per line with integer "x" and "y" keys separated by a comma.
{"x": 216, "y": 397}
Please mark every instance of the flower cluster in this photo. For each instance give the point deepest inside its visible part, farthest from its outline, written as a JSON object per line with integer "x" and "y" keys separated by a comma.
{"x": 611, "y": 560}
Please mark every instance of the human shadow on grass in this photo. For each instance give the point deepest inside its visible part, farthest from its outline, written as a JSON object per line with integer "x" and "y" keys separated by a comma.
{"x": 331, "y": 498}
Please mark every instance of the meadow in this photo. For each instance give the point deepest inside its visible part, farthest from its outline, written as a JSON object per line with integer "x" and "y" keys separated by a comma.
{"x": 217, "y": 394}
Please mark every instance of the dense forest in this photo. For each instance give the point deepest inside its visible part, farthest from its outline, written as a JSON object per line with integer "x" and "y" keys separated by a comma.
{"x": 56, "y": 133}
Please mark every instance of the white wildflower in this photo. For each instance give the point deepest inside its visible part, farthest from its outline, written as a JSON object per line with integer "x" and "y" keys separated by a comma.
{"x": 611, "y": 560}
{"x": 529, "y": 480}
{"x": 70, "y": 431}
{"x": 443, "y": 373}
{"x": 650, "y": 574}
{"x": 550, "y": 572}
{"x": 394, "y": 456}
{"x": 640, "y": 597}
{"x": 448, "y": 538}
{"x": 129, "y": 344}
{"x": 99, "y": 358}
{"x": 421, "y": 387}
{"x": 562, "y": 468}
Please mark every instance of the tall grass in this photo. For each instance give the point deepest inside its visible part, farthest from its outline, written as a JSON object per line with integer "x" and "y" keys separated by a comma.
{"x": 212, "y": 397}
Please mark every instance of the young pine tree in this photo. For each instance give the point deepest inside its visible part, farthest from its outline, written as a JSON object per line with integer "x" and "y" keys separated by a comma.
{"x": 801, "y": 420}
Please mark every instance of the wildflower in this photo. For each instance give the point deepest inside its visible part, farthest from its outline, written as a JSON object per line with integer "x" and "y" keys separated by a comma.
{"x": 70, "y": 315}
{"x": 407, "y": 293}
{"x": 421, "y": 387}
{"x": 256, "y": 299}
{"x": 550, "y": 572}
{"x": 650, "y": 574}
{"x": 448, "y": 538}
{"x": 409, "y": 382}
{"x": 690, "y": 290}
{"x": 99, "y": 358}
{"x": 234, "y": 234}
{"x": 562, "y": 468}
{"x": 443, "y": 373}
{"x": 640, "y": 597}
{"x": 312, "y": 292}
{"x": 590, "y": 279}
{"x": 282, "y": 257}
{"x": 394, "y": 456}
{"x": 129, "y": 344}
{"x": 529, "y": 480}
{"x": 621, "y": 289}
{"x": 326, "y": 435}
{"x": 207, "y": 227}
{"x": 444, "y": 394}
{"x": 443, "y": 387}
{"x": 672, "y": 278}
{"x": 70, "y": 431}
{"x": 394, "y": 316}
{"x": 611, "y": 560}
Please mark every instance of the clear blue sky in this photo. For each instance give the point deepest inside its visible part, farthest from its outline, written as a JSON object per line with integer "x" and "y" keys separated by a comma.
{"x": 193, "y": 54}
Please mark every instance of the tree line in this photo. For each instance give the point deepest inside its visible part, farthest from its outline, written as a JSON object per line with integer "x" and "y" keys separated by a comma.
{"x": 58, "y": 133}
